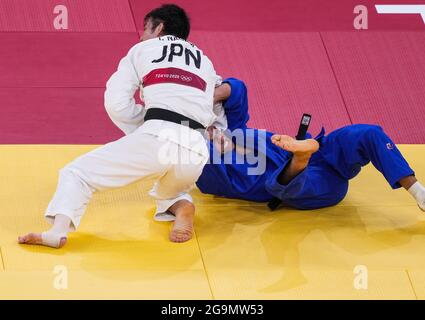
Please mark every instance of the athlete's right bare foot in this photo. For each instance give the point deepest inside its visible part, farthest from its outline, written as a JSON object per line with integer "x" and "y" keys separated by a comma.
{"x": 300, "y": 148}
{"x": 37, "y": 239}
{"x": 182, "y": 229}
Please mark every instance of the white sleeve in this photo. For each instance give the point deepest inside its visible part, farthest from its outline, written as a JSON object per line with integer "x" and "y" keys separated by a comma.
{"x": 119, "y": 96}
{"x": 218, "y": 81}
{"x": 221, "y": 119}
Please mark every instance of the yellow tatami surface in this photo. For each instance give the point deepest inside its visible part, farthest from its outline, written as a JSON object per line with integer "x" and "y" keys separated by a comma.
{"x": 241, "y": 250}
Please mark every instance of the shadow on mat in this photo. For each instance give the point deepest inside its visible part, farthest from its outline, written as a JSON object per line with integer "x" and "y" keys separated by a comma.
{"x": 341, "y": 226}
{"x": 98, "y": 255}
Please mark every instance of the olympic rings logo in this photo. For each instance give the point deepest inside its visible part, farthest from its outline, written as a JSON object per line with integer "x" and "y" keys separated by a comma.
{"x": 186, "y": 78}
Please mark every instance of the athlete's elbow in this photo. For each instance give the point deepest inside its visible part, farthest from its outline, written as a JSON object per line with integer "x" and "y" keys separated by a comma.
{"x": 109, "y": 106}
{"x": 113, "y": 104}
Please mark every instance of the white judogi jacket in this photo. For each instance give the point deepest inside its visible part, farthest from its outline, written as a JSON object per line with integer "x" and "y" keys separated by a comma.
{"x": 172, "y": 74}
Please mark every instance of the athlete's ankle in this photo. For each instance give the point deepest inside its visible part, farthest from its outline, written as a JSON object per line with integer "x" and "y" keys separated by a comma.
{"x": 300, "y": 161}
{"x": 408, "y": 182}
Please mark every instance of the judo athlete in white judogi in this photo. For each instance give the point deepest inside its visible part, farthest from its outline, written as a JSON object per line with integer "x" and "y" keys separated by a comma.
{"x": 177, "y": 81}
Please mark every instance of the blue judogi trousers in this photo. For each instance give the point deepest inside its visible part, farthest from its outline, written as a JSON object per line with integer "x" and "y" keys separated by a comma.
{"x": 340, "y": 158}
{"x": 323, "y": 183}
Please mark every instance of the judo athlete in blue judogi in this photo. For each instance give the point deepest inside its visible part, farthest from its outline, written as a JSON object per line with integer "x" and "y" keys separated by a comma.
{"x": 303, "y": 174}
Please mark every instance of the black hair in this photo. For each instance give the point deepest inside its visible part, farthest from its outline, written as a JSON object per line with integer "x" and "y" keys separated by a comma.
{"x": 176, "y": 21}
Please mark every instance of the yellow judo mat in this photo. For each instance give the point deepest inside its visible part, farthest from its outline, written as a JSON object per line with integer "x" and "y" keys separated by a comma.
{"x": 370, "y": 246}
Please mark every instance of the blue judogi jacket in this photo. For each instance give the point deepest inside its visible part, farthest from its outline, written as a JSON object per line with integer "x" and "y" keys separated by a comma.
{"x": 232, "y": 180}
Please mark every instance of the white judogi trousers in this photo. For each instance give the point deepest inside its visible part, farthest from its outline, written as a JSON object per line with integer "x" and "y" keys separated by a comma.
{"x": 155, "y": 148}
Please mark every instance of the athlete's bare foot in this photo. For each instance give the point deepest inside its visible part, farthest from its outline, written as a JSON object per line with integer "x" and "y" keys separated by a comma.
{"x": 37, "y": 239}
{"x": 183, "y": 225}
{"x": 301, "y": 150}
{"x": 297, "y": 147}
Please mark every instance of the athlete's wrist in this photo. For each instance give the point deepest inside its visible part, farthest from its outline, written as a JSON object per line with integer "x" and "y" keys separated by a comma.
{"x": 222, "y": 93}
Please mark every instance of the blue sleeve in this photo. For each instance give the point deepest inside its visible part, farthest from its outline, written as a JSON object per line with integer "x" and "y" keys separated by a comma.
{"x": 236, "y": 106}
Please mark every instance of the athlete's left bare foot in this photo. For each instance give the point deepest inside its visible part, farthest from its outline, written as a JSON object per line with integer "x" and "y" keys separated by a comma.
{"x": 182, "y": 230}
{"x": 31, "y": 238}
{"x": 37, "y": 239}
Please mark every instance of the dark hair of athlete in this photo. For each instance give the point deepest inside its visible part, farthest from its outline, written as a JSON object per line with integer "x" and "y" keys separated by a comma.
{"x": 176, "y": 21}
